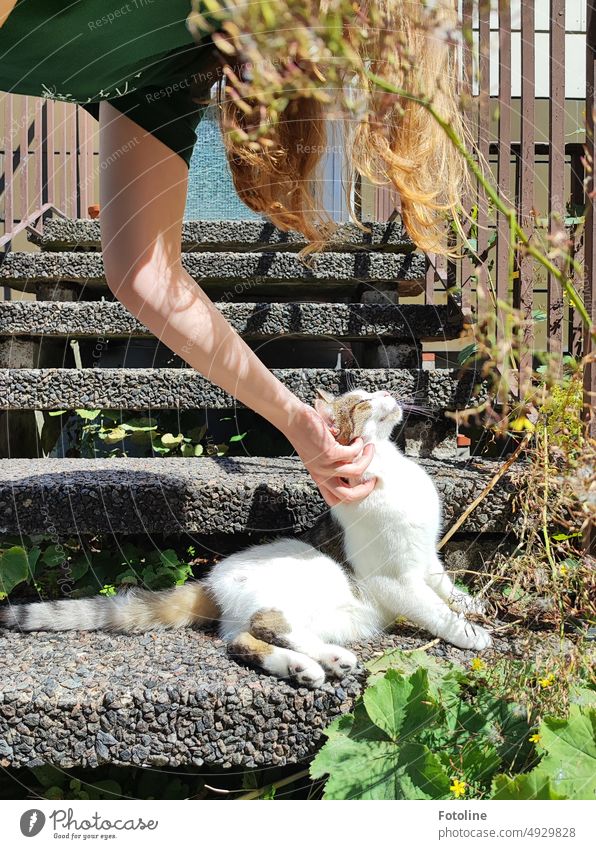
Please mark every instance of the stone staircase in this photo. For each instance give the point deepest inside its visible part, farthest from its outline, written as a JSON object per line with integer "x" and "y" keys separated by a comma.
{"x": 77, "y": 699}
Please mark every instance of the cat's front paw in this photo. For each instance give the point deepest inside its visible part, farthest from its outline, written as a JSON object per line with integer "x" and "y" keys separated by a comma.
{"x": 471, "y": 636}
{"x": 306, "y": 672}
{"x": 338, "y": 661}
{"x": 464, "y": 603}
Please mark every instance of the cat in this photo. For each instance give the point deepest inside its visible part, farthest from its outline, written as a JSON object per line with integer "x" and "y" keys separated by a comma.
{"x": 290, "y": 606}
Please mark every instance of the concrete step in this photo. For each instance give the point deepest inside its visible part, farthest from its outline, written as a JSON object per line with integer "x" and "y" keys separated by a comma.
{"x": 230, "y": 275}
{"x": 84, "y": 234}
{"x": 185, "y": 389}
{"x": 76, "y": 699}
{"x": 208, "y": 495}
{"x": 351, "y": 322}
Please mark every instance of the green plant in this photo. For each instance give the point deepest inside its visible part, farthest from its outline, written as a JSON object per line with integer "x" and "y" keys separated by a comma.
{"x": 76, "y": 568}
{"x": 425, "y": 729}
{"x": 109, "y": 433}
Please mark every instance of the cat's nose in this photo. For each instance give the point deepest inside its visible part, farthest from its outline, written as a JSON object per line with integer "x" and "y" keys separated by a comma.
{"x": 387, "y": 393}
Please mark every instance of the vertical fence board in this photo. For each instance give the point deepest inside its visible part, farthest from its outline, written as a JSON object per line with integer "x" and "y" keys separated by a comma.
{"x": 525, "y": 199}
{"x": 466, "y": 270}
{"x": 484, "y": 108}
{"x": 504, "y": 147}
{"x": 556, "y": 164}
{"x": 23, "y": 158}
{"x": 590, "y": 233}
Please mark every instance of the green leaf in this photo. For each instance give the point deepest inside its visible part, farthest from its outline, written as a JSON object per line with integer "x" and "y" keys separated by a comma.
{"x": 53, "y": 413}
{"x": 539, "y": 315}
{"x": 88, "y": 415}
{"x": 116, "y": 434}
{"x": 238, "y": 437}
{"x": 530, "y": 785}
{"x": 425, "y": 770}
{"x": 570, "y": 759}
{"x": 14, "y": 568}
{"x": 170, "y": 439}
{"x": 366, "y": 769}
{"x": 386, "y": 701}
{"x": 467, "y": 353}
{"x": 54, "y": 555}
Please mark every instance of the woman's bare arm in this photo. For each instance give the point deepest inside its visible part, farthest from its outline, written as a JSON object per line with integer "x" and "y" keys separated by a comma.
{"x": 142, "y": 198}
{"x": 6, "y": 7}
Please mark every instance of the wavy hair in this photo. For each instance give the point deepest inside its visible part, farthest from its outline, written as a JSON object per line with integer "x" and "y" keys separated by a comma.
{"x": 391, "y": 139}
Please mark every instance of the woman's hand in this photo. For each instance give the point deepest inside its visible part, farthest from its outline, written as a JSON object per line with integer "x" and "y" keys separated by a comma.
{"x": 328, "y": 462}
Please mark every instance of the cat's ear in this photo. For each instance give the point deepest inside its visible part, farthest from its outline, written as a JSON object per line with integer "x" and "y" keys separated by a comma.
{"x": 326, "y": 396}
{"x": 323, "y": 407}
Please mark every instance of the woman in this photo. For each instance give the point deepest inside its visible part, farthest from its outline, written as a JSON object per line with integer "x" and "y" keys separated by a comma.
{"x": 141, "y": 72}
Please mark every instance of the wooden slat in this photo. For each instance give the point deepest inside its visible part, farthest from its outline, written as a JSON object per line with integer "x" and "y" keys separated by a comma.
{"x": 24, "y": 156}
{"x": 504, "y": 157}
{"x": 527, "y": 175}
{"x": 72, "y": 161}
{"x": 556, "y": 163}
{"x": 38, "y": 153}
{"x": 466, "y": 269}
{"x": 8, "y": 160}
{"x": 590, "y": 245}
{"x": 483, "y": 144}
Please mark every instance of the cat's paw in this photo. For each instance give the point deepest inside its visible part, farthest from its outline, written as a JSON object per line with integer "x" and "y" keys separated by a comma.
{"x": 306, "y": 672}
{"x": 464, "y": 603}
{"x": 471, "y": 636}
{"x": 338, "y": 661}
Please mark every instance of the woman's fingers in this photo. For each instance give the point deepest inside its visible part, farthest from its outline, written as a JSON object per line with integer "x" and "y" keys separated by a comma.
{"x": 356, "y": 469}
{"x": 346, "y": 453}
{"x": 348, "y": 494}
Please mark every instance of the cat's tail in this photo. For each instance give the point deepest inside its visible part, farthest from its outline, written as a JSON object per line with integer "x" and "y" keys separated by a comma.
{"x": 134, "y": 610}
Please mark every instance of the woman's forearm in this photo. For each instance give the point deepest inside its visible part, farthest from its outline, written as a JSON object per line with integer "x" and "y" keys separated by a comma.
{"x": 6, "y": 7}
{"x": 181, "y": 315}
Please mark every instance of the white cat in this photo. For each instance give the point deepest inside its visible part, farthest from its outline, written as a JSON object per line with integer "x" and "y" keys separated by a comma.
{"x": 289, "y": 606}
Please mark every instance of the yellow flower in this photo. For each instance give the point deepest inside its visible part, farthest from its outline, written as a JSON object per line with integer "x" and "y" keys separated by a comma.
{"x": 535, "y": 738}
{"x": 522, "y": 423}
{"x": 478, "y": 664}
{"x": 458, "y": 788}
{"x": 564, "y": 570}
{"x": 548, "y": 681}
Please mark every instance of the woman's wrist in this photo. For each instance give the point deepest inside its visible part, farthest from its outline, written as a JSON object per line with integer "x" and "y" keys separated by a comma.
{"x": 292, "y": 417}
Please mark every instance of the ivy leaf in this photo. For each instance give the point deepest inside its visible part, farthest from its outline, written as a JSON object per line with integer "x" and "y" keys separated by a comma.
{"x": 530, "y": 785}
{"x": 14, "y": 568}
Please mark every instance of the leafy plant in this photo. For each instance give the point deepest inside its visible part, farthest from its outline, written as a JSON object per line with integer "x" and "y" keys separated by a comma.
{"x": 106, "y": 432}
{"x": 438, "y": 733}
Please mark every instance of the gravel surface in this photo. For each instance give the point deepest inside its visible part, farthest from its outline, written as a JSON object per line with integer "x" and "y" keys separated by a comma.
{"x": 164, "y": 700}
{"x": 199, "y": 235}
{"x": 410, "y": 322}
{"x": 186, "y": 389}
{"x": 234, "y": 269}
{"x": 205, "y": 495}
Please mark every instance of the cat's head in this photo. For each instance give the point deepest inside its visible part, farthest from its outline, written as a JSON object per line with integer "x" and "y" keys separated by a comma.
{"x": 371, "y": 415}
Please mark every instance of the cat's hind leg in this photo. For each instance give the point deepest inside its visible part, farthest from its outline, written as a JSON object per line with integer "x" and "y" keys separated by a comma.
{"x": 441, "y": 583}
{"x": 277, "y": 660}
{"x": 272, "y": 626}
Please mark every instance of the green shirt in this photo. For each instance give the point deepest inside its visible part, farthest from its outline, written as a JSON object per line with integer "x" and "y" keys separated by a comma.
{"x": 140, "y": 55}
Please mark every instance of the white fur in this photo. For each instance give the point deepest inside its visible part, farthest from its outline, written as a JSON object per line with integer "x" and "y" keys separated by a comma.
{"x": 390, "y": 541}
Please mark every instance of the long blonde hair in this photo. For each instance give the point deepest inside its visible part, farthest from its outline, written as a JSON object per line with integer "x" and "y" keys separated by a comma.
{"x": 390, "y": 139}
